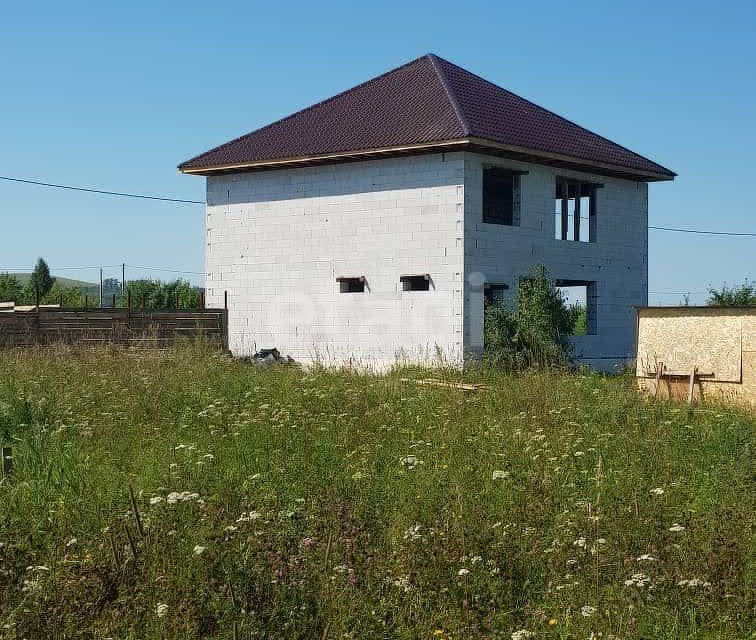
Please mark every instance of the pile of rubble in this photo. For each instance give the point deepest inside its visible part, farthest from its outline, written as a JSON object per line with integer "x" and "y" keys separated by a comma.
{"x": 268, "y": 357}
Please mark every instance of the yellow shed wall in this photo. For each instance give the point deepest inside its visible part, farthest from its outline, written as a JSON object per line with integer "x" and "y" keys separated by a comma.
{"x": 718, "y": 341}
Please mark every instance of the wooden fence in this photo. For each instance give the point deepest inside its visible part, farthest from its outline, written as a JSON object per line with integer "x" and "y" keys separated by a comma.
{"x": 134, "y": 328}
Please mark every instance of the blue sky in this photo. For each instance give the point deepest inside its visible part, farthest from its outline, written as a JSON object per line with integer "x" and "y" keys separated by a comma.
{"x": 115, "y": 95}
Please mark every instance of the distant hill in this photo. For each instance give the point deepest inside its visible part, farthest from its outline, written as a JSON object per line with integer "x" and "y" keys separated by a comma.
{"x": 23, "y": 278}
{"x": 90, "y": 289}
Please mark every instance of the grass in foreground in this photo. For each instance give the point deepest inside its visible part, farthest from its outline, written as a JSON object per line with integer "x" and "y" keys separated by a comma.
{"x": 280, "y": 504}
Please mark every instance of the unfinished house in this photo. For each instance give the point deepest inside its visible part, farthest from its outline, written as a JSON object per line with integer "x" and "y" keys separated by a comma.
{"x": 371, "y": 227}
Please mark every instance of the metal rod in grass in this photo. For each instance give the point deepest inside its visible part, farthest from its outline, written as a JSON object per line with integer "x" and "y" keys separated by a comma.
{"x": 132, "y": 544}
{"x": 134, "y": 509}
{"x": 7, "y": 461}
{"x": 114, "y": 549}
{"x": 231, "y": 593}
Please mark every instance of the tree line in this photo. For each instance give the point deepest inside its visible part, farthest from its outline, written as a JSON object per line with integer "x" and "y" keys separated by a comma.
{"x": 145, "y": 292}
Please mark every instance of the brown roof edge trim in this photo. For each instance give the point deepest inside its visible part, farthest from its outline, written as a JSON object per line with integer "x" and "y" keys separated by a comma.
{"x": 573, "y": 160}
{"x": 328, "y": 156}
{"x": 441, "y": 145}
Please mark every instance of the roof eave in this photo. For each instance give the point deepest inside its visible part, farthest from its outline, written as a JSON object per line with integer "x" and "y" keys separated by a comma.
{"x": 326, "y": 158}
{"x": 573, "y": 162}
{"x": 470, "y": 143}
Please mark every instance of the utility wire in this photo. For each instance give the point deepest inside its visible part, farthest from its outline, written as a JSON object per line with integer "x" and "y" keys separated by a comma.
{"x": 107, "y": 193}
{"x": 701, "y": 231}
{"x": 166, "y": 199}
{"x": 196, "y": 273}
{"x": 104, "y": 266}
{"x": 26, "y": 269}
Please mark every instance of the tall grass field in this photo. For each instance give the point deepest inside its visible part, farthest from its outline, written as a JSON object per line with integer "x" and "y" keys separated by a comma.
{"x": 187, "y": 495}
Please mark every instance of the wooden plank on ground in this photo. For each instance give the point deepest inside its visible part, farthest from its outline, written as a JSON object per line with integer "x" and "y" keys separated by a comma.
{"x": 433, "y": 382}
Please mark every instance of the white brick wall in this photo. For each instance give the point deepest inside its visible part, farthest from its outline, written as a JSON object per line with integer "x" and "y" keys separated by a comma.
{"x": 617, "y": 261}
{"x": 277, "y": 241}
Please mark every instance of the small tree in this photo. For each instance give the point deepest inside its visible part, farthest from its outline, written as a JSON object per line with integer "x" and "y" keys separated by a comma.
{"x": 533, "y": 335}
{"x": 41, "y": 280}
{"x": 70, "y": 297}
{"x": 742, "y": 296}
{"x": 11, "y": 289}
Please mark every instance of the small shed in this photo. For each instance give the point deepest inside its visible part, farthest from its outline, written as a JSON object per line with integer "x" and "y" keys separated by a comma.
{"x": 698, "y": 353}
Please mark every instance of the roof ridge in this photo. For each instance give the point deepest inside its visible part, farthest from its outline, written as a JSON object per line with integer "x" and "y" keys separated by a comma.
{"x": 434, "y": 59}
{"x": 305, "y": 109}
{"x": 553, "y": 113}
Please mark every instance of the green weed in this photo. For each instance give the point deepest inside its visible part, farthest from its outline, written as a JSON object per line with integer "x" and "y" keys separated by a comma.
{"x": 276, "y": 503}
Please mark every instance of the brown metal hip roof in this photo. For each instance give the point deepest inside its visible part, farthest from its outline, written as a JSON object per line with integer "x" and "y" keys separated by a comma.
{"x": 426, "y": 102}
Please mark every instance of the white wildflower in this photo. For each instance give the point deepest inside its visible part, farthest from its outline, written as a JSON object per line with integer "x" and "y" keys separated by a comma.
{"x": 579, "y": 454}
{"x": 676, "y": 528}
{"x": 587, "y": 611}
{"x": 156, "y": 500}
{"x": 463, "y": 572}
{"x": 199, "y": 550}
{"x": 413, "y": 533}
{"x": 410, "y": 462}
{"x": 639, "y": 580}
{"x": 657, "y": 492}
{"x": 71, "y": 542}
{"x": 161, "y": 609}
{"x": 646, "y": 557}
{"x": 500, "y": 475}
{"x": 693, "y": 583}
{"x": 181, "y": 496}
{"x": 522, "y": 634}
{"x": 248, "y": 517}
{"x": 580, "y": 542}
{"x": 230, "y": 529}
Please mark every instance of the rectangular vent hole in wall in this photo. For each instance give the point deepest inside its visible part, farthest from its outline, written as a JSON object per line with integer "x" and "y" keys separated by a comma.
{"x": 351, "y": 284}
{"x": 580, "y": 298}
{"x": 415, "y": 282}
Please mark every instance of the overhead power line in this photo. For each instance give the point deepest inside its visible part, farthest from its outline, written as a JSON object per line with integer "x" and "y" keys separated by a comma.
{"x": 142, "y": 196}
{"x": 105, "y": 266}
{"x": 134, "y": 266}
{"x": 25, "y": 269}
{"x": 701, "y": 231}
{"x": 101, "y": 191}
